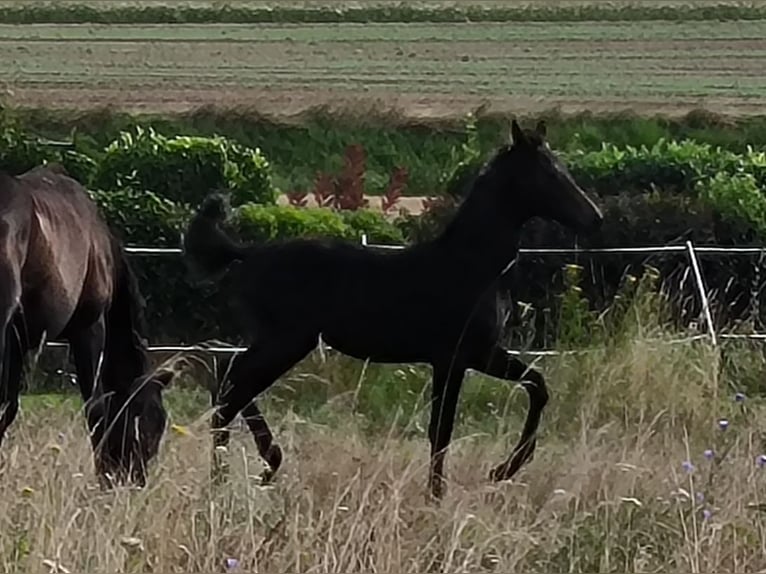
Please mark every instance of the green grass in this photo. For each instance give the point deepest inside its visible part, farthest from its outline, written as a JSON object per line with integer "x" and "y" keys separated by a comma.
{"x": 610, "y": 488}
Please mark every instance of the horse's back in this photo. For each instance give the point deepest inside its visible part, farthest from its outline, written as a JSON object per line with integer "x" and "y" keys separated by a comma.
{"x": 69, "y": 261}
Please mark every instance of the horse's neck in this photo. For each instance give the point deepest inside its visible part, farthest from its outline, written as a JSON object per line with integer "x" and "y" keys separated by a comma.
{"x": 481, "y": 242}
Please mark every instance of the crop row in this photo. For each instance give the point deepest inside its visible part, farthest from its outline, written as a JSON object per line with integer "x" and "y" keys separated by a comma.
{"x": 502, "y": 12}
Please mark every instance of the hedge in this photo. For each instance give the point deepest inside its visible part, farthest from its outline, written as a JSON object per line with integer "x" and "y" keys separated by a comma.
{"x": 75, "y": 14}
{"x": 148, "y": 183}
{"x": 184, "y": 169}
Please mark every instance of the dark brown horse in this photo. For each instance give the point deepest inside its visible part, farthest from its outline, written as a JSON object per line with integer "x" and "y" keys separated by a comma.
{"x": 64, "y": 276}
{"x": 434, "y": 302}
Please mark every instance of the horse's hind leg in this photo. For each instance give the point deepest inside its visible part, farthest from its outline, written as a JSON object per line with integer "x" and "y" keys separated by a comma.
{"x": 251, "y": 373}
{"x": 501, "y": 364}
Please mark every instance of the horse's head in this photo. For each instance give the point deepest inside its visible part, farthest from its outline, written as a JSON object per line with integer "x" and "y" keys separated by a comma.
{"x": 542, "y": 184}
{"x": 134, "y": 422}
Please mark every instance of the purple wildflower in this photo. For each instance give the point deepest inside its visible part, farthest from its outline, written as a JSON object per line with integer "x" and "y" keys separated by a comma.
{"x": 723, "y": 424}
{"x": 740, "y": 397}
{"x": 760, "y": 460}
{"x": 687, "y": 466}
{"x": 709, "y": 454}
{"x": 232, "y": 563}
{"x": 700, "y": 496}
{"x": 707, "y": 514}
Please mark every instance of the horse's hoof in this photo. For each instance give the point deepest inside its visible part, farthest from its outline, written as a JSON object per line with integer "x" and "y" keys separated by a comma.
{"x": 267, "y": 476}
{"x": 499, "y": 473}
{"x": 436, "y": 491}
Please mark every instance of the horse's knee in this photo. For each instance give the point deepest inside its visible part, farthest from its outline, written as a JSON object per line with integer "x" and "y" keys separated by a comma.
{"x": 536, "y": 388}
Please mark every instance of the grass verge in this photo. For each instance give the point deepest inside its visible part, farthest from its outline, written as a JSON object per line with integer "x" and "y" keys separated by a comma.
{"x": 622, "y": 480}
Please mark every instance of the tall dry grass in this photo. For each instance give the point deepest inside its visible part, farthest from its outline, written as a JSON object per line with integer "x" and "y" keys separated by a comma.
{"x": 608, "y": 490}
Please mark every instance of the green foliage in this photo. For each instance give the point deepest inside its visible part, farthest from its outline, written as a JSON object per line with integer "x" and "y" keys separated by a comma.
{"x": 373, "y": 224}
{"x": 465, "y": 161}
{"x": 738, "y": 199}
{"x": 142, "y": 217}
{"x": 576, "y": 321}
{"x": 296, "y": 152}
{"x": 667, "y": 165}
{"x": 184, "y": 168}
{"x": 19, "y": 153}
{"x": 268, "y": 222}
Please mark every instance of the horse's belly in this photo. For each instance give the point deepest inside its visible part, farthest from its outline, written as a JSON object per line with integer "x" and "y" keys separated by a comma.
{"x": 45, "y": 313}
{"x": 390, "y": 339}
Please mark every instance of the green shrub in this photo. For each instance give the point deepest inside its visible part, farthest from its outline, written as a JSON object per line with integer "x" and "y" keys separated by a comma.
{"x": 268, "y": 222}
{"x": 738, "y": 200}
{"x": 19, "y": 153}
{"x": 667, "y": 165}
{"x": 142, "y": 217}
{"x": 185, "y": 169}
{"x": 373, "y": 224}
{"x": 79, "y": 166}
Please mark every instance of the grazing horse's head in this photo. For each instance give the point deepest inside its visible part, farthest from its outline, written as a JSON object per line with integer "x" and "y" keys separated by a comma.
{"x": 138, "y": 422}
{"x": 542, "y": 184}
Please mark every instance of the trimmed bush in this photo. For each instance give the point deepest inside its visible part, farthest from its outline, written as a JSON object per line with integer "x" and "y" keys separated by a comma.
{"x": 185, "y": 169}
{"x": 269, "y": 222}
{"x": 142, "y": 217}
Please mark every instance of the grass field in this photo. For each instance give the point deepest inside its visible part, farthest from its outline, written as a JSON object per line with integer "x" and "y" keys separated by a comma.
{"x": 622, "y": 480}
{"x": 608, "y": 491}
{"x": 426, "y": 70}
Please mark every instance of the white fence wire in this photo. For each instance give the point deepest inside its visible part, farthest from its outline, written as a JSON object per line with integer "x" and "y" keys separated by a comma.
{"x": 689, "y": 249}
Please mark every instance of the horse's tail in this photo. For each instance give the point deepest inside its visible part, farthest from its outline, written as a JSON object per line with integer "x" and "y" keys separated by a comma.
{"x": 207, "y": 248}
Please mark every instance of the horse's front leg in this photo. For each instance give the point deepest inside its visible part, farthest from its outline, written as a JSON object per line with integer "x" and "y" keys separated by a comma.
{"x": 11, "y": 366}
{"x": 501, "y": 364}
{"x": 447, "y": 380}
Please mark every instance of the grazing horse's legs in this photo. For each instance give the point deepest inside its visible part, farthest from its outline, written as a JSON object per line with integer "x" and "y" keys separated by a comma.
{"x": 87, "y": 346}
{"x": 264, "y": 440}
{"x": 251, "y": 373}
{"x": 502, "y": 365}
{"x": 447, "y": 380}
{"x": 10, "y": 378}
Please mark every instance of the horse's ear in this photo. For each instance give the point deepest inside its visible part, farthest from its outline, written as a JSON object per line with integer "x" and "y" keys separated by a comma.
{"x": 541, "y": 129}
{"x": 517, "y": 134}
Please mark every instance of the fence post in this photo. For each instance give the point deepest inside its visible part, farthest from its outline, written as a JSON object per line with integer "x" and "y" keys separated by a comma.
{"x": 702, "y": 292}
{"x": 364, "y": 239}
